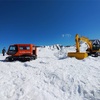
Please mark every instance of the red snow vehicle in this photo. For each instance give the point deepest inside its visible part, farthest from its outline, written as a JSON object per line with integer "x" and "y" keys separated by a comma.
{"x": 21, "y": 52}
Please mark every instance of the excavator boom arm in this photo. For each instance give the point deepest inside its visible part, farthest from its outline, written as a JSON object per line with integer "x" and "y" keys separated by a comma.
{"x": 77, "y": 40}
{"x": 84, "y": 39}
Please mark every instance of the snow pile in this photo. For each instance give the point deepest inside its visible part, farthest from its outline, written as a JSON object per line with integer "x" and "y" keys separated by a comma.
{"x": 56, "y": 51}
{"x": 83, "y": 47}
{"x": 50, "y": 77}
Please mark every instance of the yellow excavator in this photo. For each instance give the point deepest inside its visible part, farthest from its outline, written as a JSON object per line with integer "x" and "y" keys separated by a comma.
{"x": 93, "y": 49}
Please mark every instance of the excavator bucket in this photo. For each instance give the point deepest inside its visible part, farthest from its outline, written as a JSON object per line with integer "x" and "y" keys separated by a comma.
{"x": 78, "y": 55}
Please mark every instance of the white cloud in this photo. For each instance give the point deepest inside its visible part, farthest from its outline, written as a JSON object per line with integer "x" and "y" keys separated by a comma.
{"x": 66, "y": 35}
{"x": 63, "y": 35}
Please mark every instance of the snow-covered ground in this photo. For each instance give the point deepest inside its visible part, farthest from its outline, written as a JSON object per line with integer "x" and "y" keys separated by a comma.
{"x": 52, "y": 76}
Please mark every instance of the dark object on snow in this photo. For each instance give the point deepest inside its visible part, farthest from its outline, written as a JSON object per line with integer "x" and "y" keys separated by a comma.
{"x": 3, "y": 51}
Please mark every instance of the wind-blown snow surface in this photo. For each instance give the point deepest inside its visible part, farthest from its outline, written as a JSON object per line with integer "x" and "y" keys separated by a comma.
{"x": 52, "y": 76}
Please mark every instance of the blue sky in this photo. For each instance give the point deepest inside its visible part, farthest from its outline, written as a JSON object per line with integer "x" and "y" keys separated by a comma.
{"x": 48, "y": 22}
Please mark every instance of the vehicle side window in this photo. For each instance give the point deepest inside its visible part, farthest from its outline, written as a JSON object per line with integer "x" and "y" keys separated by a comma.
{"x": 24, "y": 48}
{"x": 28, "y": 48}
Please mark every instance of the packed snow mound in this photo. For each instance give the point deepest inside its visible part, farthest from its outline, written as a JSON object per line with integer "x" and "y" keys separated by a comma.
{"x": 50, "y": 78}
{"x": 83, "y": 47}
{"x": 56, "y": 51}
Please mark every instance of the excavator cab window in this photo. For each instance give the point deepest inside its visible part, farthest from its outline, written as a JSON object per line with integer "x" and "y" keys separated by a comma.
{"x": 96, "y": 46}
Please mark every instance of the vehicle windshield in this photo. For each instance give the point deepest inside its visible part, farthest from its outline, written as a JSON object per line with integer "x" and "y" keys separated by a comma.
{"x": 13, "y": 48}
